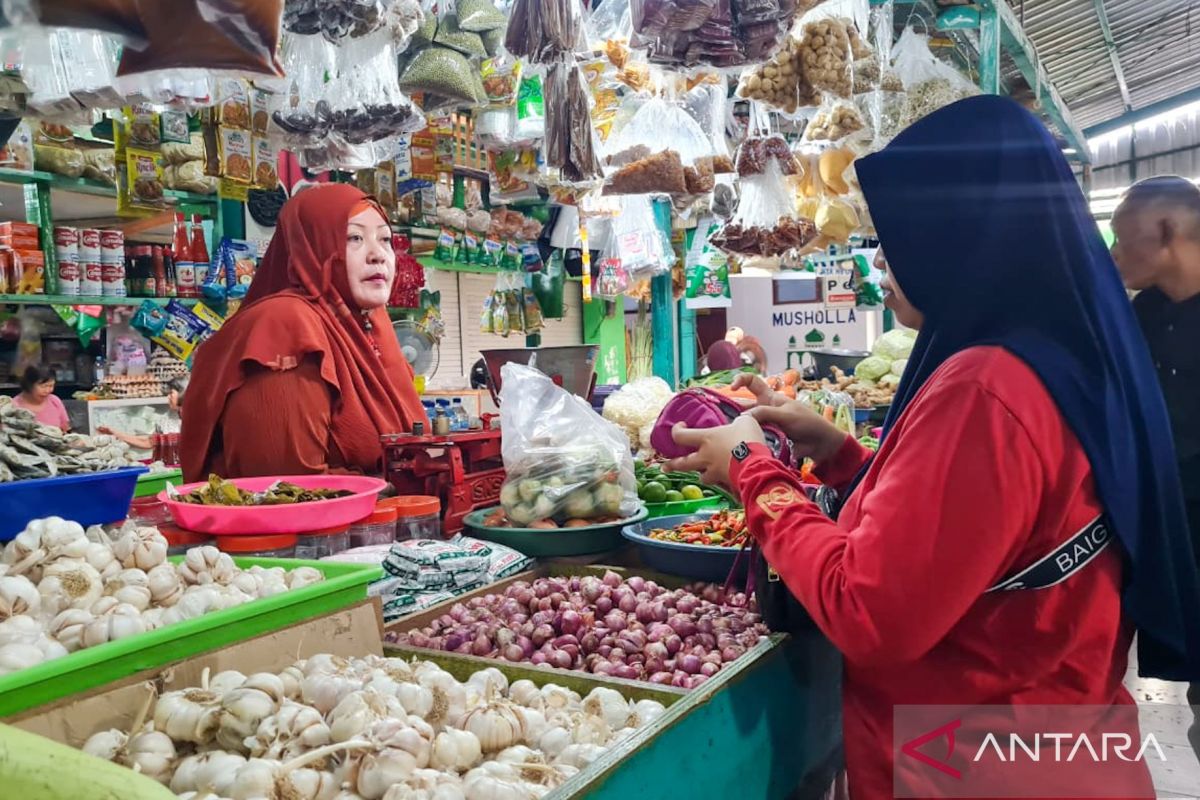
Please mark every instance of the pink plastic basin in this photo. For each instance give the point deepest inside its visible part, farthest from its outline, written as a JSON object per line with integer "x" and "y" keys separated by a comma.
{"x": 294, "y": 518}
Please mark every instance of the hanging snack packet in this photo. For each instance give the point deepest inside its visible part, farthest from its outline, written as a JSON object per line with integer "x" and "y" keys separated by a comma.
{"x": 487, "y": 319}
{"x": 707, "y": 271}
{"x": 444, "y": 249}
{"x": 182, "y": 332}
{"x": 544, "y": 31}
{"x": 500, "y": 321}
{"x": 516, "y": 311}
{"x": 570, "y": 139}
{"x": 532, "y": 311}
{"x": 142, "y": 188}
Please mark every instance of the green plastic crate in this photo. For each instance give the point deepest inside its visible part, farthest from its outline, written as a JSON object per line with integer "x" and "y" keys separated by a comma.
{"x": 152, "y": 483}
{"x": 344, "y": 585}
{"x": 659, "y": 510}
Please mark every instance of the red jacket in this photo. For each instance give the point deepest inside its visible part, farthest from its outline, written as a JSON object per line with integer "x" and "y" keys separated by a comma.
{"x": 979, "y": 478}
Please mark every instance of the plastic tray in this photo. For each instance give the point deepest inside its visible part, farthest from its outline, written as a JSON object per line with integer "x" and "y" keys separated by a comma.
{"x": 294, "y": 518}
{"x": 560, "y": 542}
{"x": 699, "y": 561}
{"x": 154, "y": 482}
{"x": 344, "y": 585}
{"x": 658, "y": 510}
{"x": 94, "y": 498}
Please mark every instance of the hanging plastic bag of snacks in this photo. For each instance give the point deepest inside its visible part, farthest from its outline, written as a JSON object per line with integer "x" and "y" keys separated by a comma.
{"x": 365, "y": 101}
{"x": 334, "y": 19}
{"x": 765, "y": 223}
{"x": 444, "y": 73}
{"x": 644, "y": 168}
{"x": 635, "y": 241}
{"x": 301, "y": 111}
{"x": 834, "y": 121}
{"x": 234, "y": 35}
{"x": 929, "y": 83}
{"x": 544, "y": 31}
{"x": 707, "y": 270}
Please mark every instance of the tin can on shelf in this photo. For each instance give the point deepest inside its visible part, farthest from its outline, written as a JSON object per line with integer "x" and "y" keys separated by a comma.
{"x": 68, "y": 277}
{"x": 112, "y": 278}
{"x": 90, "y": 279}
{"x": 112, "y": 247}
{"x": 66, "y": 243}
{"x": 89, "y": 245}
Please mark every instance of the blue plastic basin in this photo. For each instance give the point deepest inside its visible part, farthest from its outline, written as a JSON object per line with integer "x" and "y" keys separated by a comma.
{"x": 703, "y": 562}
{"x": 93, "y": 498}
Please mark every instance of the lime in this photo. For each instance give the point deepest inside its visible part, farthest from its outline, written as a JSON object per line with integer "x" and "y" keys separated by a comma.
{"x": 654, "y": 492}
{"x": 674, "y": 497}
{"x": 692, "y": 492}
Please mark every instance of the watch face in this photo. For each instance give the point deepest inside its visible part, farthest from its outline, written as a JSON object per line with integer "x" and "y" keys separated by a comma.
{"x": 741, "y": 452}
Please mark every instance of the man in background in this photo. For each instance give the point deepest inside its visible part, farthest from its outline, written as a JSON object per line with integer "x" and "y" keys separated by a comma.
{"x": 1157, "y": 250}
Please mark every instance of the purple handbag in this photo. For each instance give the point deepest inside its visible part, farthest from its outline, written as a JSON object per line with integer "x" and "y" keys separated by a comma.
{"x": 704, "y": 408}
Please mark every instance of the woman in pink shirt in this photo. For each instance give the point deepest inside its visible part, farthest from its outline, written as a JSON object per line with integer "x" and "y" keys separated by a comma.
{"x": 37, "y": 396}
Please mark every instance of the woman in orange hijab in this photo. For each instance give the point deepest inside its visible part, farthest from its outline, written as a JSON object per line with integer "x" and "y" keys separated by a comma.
{"x": 307, "y": 375}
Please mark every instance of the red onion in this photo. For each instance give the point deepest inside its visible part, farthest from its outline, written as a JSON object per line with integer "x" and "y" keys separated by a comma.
{"x": 615, "y": 620}
{"x": 653, "y": 589}
{"x": 542, "y": 618}
{"x": 656, "y": 650}
{"x": 604, "y": 605}
{"x": 574, "y": 583}
{"x": 542, "y": 634}
{"x": 589, "y": 642}
{"x": 604, "y": 650}
{"x": 513, "y": 652}
{"x": 481, "y": 646}
{"x": 709, "y": 669}
{"x": 730, "y": 653}
{"x": 611, "y": 579}
{"x": 557, "y": 599}
{"x": 617, "y": 654}
{"x": 562, "y": 659}
{"x": 626, "y": 671}
{"x": 690, "y": 664}
{"x": 571, "y": 620}
{"x": 659, "y": 631}
{"x": 591, "y": 588}
{"x": 661, "y": 677}
{"x": 537, "y": 658}
{"x": 680, "y": 679}
{"x": 454, "y": 640}
{"x": 644, "y": 612}
{"x": 526, "y": 645}
{"x": 525, "y": 597}
{"x": 686, "y": 605}
{"x": 696, "y": 680}
{"x": 681, "y": 625}
{"x": 603, "y": 667}
{"x": 674, "y": 644}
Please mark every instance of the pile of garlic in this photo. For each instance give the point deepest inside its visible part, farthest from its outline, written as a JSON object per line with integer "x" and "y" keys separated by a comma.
{"x": 63, "y": 588}
{"x": 330, "y": 728}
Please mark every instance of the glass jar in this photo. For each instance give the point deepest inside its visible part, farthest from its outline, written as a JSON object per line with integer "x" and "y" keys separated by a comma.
{"x": 179, "y": 541}
{"x": 275, "y": 545}
{"x": 377, "y": 528}
{"x": 418, "y": 517}
{"x": 323, "y": 543}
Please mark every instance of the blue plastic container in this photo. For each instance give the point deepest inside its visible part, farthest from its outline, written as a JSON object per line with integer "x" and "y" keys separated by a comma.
{"x": 93, "y": 498}
{"x": 703, "y": 562}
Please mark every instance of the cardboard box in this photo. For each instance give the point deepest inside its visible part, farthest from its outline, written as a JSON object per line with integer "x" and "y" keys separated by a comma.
{"x": 353, "y": 631}
{"x": 12, "y": 228}
{"x": 20, "y": 241}
{"x": 30, "y": 271}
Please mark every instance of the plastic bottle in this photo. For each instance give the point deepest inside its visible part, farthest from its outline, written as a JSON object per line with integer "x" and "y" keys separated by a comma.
{"x": 98, "y": 371}
{"x": 441, "y": 422}
{"x": 198, "y": 250}
{"x": 181, "y": 252}
{"x": 461, "y": 420}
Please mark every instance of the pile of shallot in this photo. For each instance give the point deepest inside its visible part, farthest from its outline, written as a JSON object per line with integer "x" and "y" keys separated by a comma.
{"x": 63, "y": 589}
{"x": 330, "y": 728}
{"x": 631, "y": 628}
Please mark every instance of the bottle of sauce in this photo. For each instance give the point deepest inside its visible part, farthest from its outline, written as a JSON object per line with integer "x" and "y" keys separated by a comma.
{"x": 181, "y": 253}
{"x": 169, "y": 271}
{"x": 199, "y": 253}
{"x": 160, "y": 271}
{"x": 145, "y": 270}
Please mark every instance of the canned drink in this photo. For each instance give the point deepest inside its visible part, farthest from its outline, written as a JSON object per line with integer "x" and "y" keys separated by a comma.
{"x": 90, "y": 279}
{"x": 112, "y": 279}
{"x": 68, "y": 277}
{"x": 112, "y": 247}
{"x": 89, "y": 245}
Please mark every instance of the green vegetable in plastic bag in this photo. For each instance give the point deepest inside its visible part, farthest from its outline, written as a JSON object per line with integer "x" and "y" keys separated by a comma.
{"x": 445, "y": 72}
{"x": 423, "y": 37}
{"x": 480, "y": 16}
{"x": 548, "y": 288}
{"x": 451, "y": 34}
{"x": 492, "y": 41}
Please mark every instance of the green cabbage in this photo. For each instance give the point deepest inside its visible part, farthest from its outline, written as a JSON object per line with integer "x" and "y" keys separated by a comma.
{"x": 894, "y": 345}
{"x": 889, "y": 381}
{"x": 898, "y": 366}
{"x": 872, "y": 368}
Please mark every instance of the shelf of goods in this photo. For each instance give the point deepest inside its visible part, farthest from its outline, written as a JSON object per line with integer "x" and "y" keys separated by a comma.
{"x": 48, "y": 200}
{"x": 762, "y": 726}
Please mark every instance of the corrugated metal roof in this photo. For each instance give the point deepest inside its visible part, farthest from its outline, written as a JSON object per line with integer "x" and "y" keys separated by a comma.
{"x": 1157, "y": 42}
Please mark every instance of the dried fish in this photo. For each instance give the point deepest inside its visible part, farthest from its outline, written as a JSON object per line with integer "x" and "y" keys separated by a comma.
{"x": 29, "y": 449}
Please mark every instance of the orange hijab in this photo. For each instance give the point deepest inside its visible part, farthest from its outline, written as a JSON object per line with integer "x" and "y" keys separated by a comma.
{"x": 300, "y": 305}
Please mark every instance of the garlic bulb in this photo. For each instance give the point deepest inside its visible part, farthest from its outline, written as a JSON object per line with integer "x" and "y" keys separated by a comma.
{"x": 645, "y": 711}
{"x": 70, "y": 583}
{"x": 207, "y": 564}
{"x": 288, "y": 732}
{"x": 136, "y": 596}
{"x": 488, "y": 683}
{"x": 398, "y": 734}
{"x": 211, "y": 772}
{"x": 449, "y": 697}
{"x": 151, "y": 753}
{"x": 455, "y": 750}
{"x": 608, "y": 704}
{"x": 427, "y": 784}
{"x": 165, "y": 585}
{"x": 495, "y": 781}
{"x": 68, "y": 627}
{"x": 18, "y": 595}
{"x": 291, "y": 678}
{"x": 355, "y": 713}
{"x": 108, "y": 745}
{"x": 144, "y": 548}
{"x": 17, "y": 656}
{"x": 535, "y": 723}
{"x": 416, "y": 699}
{"x": 20, "y": 629}
{"x": 554, "y": 740}
{"x": 188, "y": 715}
{"x": 101, "y": 558}
{"x": 525, "y": 692}
{"x": 226, "y": 681}
{"x": 304, "y": 576}
{"x": 372, "y": 773}
{"x": 590, "y": 729}
{"x": 498, "y": 724}
{"x": 557, "y": 698}
{"x": 579, "y": 755}
{"x": 242, "y": 711}
{"x": 324, "y": 691}
{"x": 110, "y": 628}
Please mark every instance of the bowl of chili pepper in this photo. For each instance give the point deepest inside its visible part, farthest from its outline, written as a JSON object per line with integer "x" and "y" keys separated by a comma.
{"x": 704, "y": 545}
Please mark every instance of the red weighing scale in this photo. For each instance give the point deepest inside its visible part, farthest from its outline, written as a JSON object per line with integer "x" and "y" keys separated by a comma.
{"x": 465, "y": 470}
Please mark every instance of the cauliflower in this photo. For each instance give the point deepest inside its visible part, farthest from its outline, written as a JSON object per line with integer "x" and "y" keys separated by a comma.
{"x": 635, "y": 407}
{"x": 894, "y": 345}
{"x": 872, "y": 368}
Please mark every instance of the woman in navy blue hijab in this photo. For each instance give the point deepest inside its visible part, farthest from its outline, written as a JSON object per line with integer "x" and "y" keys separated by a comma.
{"x": 1023, "y": 514}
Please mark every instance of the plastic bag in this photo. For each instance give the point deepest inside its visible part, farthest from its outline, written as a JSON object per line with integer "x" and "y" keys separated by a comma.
{"x": 835, "y": 121}
{"x": 234, "y": 35}
{"x": 757, "y": 152}
{"x": 334, "y": 19}
{"x": 643, "y": 168}
{"x": 365, "y": 101}
{"x": 451, "y": 34}
{"x": 765, "y": 223}
{"x": 929, "y": 83}
{"x": 563, "y": 460}
{"x": 443, "y": 72}
{"x": 708, "y": 105}
{"x": 480, "y": 16}
{"x": 303, "y": 113}
{"x": 707, "y": 271}
{"x": 570, "y": 139}
{"x": 544, "y": 31}
{"x": 635, "y": 242}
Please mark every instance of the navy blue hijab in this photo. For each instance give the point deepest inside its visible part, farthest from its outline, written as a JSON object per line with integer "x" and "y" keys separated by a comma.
{"x": 989, "y": 235}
